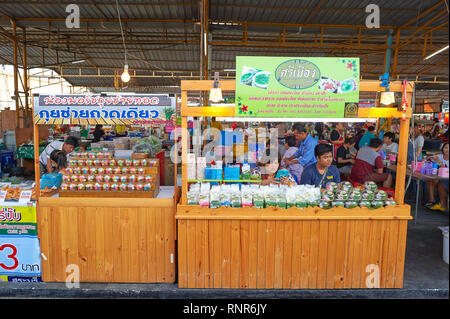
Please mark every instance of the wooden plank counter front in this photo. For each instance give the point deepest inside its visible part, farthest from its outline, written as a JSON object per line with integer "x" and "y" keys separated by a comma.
{"x": 110, "y": 239}
{"x": 291, "y": 248}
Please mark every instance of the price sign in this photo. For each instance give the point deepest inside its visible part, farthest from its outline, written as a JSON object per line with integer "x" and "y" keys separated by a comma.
{"x": 19, "y": 255}
{"x": 25, "y": 197}
{"x": 2, "y": 196}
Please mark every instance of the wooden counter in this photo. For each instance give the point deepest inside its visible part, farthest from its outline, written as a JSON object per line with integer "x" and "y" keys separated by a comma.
{"x": 290, "y": 248}
{"x": 110, "y": 239}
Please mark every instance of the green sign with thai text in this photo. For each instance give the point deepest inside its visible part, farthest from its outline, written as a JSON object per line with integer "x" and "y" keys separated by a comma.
{"x": 282, "y": 87}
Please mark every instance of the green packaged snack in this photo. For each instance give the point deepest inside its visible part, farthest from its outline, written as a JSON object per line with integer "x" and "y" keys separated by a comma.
{"x": 355, "y": 196}
{"x": 258, "y": 203}
{"x": 331, "y": 186}
{"x": 328, "y": 196}
{"x": 368, "y": 195}
{"x": 381, "y": 195}
{"x": 364, "y": 203}
{"x": 390, "y": 202}
{"x": 371, "y": 186}
{"x": 313, "y": 203}
{"x": 214, "y": 204}
{"x": 377, "y": 204}
{"x": 325, "y": 204}
{"x": 302, "y": 204}
{"x": 338, "y": 203}
{"x": 345, "y": 186}
{"x": 341, "y": 195}
{"x": 351, "y": 204}
{"x": 290, "y": 204}
{"x": 236, "y": 201}
{"x": 281, "y": 202}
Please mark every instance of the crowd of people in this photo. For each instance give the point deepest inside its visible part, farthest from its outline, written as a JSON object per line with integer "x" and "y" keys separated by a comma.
{"x": 316, "y": 154}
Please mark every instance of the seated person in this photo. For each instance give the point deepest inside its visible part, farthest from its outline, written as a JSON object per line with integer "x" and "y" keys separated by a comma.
{"x": 389, "y": 146}
{"x": 367, "y": 137}
{"x": 272, "y": 174}
{"x": 321, "y": 172}
{"x": 367, "y": 160}
{"x": 442, "y": 186}
{"x": 344, "y": 160}
{"x": 295, "y": 169}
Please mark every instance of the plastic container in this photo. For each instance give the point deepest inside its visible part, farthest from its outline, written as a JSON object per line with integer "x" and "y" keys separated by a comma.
{"x": 231, "y": 173}
{"x": 213, "y": 173}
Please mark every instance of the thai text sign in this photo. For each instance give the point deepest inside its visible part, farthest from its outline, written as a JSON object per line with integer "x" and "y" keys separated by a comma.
{"x": 296, "y": 87}
{"x": 18, "y": 220}
{"x": 109, "y": 109}
{"x": 20, "y": 256}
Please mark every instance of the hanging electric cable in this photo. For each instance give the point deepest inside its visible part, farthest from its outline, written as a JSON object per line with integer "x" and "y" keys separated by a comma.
{"x": 125, "y": 75}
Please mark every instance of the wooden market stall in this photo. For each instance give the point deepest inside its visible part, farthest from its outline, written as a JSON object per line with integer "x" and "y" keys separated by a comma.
{"x": 113, "y": 238}
{"x": 292, "y": 248}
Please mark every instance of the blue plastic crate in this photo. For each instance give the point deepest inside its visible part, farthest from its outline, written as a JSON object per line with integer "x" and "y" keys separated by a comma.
{"x": 213, "y": 173}
{"x": 232, "y": 173}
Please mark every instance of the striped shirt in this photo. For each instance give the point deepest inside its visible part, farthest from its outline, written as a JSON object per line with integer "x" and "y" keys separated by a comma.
{"x": 55, "y": 145}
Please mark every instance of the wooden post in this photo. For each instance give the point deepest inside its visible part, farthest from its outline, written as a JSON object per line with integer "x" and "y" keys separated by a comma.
{"x": 184, "y": 149}
{"x": 16, "y": 72}
{"x": 402, "y": 157}
{"x": 37, "y": 177}
{"x": 28, "y": 118}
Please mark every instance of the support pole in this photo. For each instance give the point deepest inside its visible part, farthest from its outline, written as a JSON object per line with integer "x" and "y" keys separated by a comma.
{"x": 28, "y": 117}
{"x": 16, "y": 73}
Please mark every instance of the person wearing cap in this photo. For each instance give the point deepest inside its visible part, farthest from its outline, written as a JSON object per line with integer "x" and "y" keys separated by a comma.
{"x": 45, "y": 165}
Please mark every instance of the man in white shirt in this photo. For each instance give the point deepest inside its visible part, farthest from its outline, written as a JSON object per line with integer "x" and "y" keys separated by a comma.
{"x": 67, "y": 147}
{"x": 389, "y": 146}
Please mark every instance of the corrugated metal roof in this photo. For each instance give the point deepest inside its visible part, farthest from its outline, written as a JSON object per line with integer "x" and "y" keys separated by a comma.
{"x": 174, "y": 45}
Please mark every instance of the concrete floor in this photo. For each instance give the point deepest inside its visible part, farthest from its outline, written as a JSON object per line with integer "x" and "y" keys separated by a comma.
{"x": 426, "y": 275}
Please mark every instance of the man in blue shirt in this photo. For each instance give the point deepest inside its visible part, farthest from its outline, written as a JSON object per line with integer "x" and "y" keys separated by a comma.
{"x": 305, "y": 153}
{"x": 321, "y": 172}
{"x": 365, "y": 140}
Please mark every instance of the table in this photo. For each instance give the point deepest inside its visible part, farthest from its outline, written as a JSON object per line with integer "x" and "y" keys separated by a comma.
{"x": 419, "y": 177}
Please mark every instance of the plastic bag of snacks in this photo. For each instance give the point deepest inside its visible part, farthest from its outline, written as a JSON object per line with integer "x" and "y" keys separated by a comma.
{"x": 203, "y": 200}
{"x": 258, "y": 200}
{"x": 193, "y": 195}
{"x": 236, "y": 200}
{"x": 281, "y": 201}
{"x": 247, "y": 200}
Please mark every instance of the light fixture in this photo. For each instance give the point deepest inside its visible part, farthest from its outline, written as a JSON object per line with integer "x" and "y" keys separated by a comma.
{"x": 125, "y": 75}
{"x": 78, "y": 61}
{"x": 437, "y": 52}
{"x": 387, "y": 98}
{"x": 215, "y": 94}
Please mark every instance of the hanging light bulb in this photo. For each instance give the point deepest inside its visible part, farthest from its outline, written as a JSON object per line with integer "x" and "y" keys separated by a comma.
{"x": 125, "y": 75}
